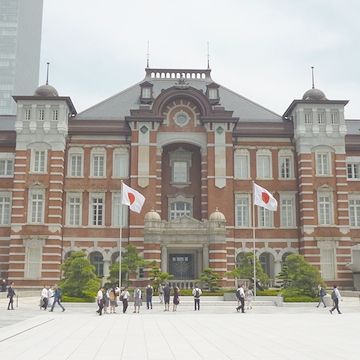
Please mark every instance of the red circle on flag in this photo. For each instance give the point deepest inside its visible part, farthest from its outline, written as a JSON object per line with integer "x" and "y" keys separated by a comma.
{"x": 265, "y": 197}
{"x": 131, "y": 197}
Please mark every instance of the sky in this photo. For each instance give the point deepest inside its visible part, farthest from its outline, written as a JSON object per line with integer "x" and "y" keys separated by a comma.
{"x": 261, "y": 49}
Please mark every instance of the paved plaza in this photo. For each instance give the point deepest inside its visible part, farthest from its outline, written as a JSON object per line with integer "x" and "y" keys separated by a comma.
{"x": 216, "y": 332}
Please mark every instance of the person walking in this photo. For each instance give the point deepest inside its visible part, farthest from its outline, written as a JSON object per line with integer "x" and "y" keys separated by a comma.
{"x": 176, "y": 299}
{"x": 149, "y": 294}
{"x": 100, "y": 300}
{"x": 249, "y": 298}
{"x": 112, "y": 299}
{"x": 240, "y": 295}
{"x": 10, "y": 296}
{"x": 137, "y": 300}
{"x": 57, "y": 298}
{"x": 196, "y": 293}
{"x": 322, "y": 293}
{"x": 44, "y": 298}
{"x": 161, "y": 293}
{"x": 335, "y": 295}
{"x": 124, "y": 297}
{"x": 167, "y": 292}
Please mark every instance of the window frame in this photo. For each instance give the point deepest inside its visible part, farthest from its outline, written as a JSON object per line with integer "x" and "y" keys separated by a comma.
{"x": 31, "y": 215}
{"x": 239, "y": 156}
{"x": 267, "y": 214}
{"x": 320, "y": 163}
{"x": 325, "y": 193}
{"x": 356, "y": 210}
{"x": 92, "y": 196}
{"x": 69, "y": 217}
{"x": 124, "y": 156}
{"x": 3, "y": 210}
{"x": 264, "y": 153}
{"x": 8, "y": 158}
{"x": 98, "y": 152}
{"x": 287, "y": 197}
{"x": 353, "y": 166}
{"x": 116, "y": 202}
{"x": 79, "y": 152}
{"x": 239, "y": 197}
{"x": 34, "y": 161}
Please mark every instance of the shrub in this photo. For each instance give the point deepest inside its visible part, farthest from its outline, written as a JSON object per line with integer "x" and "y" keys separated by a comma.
{"x": 210, "y": 279}
{"x": 71, "y": 299}
{"x": 268, "y": 292}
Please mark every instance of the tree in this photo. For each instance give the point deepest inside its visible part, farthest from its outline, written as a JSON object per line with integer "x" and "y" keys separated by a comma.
{"x": 300, "y": 277}
{"x": 157, "y": 276}
{"x": 210, "y": 278}
{"x": 79, "y": 279}
{"x": 130, "y": 263}
{"x": 245, "y": 270}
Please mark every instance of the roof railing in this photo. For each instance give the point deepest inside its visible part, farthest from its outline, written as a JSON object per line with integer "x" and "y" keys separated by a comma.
{"x": 178, "y": 73}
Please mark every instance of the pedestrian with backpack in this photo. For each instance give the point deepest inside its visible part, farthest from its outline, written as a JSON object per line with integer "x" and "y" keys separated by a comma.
{"x": 240, "y": 295}
{"x": 197, "y": 293}
{"x": 336, "y": 297}
{"x": 10, "y": 296}
{"x": 322, "y": 293}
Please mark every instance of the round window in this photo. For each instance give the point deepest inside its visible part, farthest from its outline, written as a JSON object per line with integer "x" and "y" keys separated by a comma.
{"x": 181, "y": 118}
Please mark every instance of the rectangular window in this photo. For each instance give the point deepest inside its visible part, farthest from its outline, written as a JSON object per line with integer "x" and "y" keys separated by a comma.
{"x": 334, "y": 117}
{"x": 117, "y": 211}
{"x": 33, "y": 262}
{"x": 6, "y": 167}
{"x": 263, "y": 166}
{"x": 180, "y": 172}
{"x": 242, "y": 210}
{"x": 353, "y": 171}
{"x": 327, "y": 263}
{"x": 287, "y": 216}
{"x": 27, "y": 114}
{"x": 308, "y": 117}
{"x": 97, "y": 210}
{"x": 265, "y": 217}
{"x": 74, "y": 209}
{"x": 213, "y": 94}
{"x": 354, "y": 212}
{"x": 322, "y": 164}
{"x": 76, "y": 165}
{"x": 241, "y": 167}
{"x": 39, "y": 161}
{"x": 5, "y": 206}
{"x": 324, "y": 208}
{"x": 98, "y": 165}
{"x": 285, "y": 164}
{"x": 37, "y": 208}
{"x": 179, "y": 209}
{"x": 146, "y": 92}
{"x": 41, "y": 114}
{"x": 55, "y": 115}
{"x": 321, "y": 116}
{"x": 121, "y": 165}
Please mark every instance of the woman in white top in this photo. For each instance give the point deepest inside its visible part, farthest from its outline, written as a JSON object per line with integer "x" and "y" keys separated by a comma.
{"x": 137, "y": 300}
{"x": 249, "y": 298}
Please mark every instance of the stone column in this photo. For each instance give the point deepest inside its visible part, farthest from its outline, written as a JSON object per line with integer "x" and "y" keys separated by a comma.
{"x": 164, "y": 258}
{"x": 277, "y": 267}
{"x": 205, "y": 256}
{"x": 107, "y": 264}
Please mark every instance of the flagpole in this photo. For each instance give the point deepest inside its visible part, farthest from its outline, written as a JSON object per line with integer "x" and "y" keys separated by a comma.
{"x": 120, "y": 237}
{"x": 254, "y": 242}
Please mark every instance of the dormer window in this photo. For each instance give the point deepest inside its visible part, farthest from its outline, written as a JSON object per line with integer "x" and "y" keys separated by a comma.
{"x": 146, "y": 96}
{"x": 212, "y": 92}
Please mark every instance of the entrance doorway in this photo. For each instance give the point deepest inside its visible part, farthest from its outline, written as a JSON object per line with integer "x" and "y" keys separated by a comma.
{"x": 182, "y": 266}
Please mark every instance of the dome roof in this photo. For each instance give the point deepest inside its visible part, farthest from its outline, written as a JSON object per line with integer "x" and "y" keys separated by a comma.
{"x": 217, "y": 216}
{"x": 46, "y": 90}
{"x": 152, "y": 216}
{"x": 314, "y": 94}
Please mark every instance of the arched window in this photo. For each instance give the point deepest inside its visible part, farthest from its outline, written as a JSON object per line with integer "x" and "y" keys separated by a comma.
{"x": 240, "y": 259}
{"x": 97, "y": 260}
{"x": 267, "y": 262}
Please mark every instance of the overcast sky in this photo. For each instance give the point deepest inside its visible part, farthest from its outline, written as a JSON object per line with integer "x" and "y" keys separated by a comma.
{"x": 262, "y": 49}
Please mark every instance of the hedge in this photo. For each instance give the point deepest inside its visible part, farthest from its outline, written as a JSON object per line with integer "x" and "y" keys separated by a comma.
{"x": 302, "y": 298}
{"x": 71, "y": 299}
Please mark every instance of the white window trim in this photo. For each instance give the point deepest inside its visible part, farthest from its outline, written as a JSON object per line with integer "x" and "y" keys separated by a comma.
{"x": 329, "y": 192}
{"x": 123, "y": 152}
{"x": 32, "y": 160}
{"x": 33, "y": 244}
{"x": 286, "y": 154}
{"x": 353, "y": 197}
{"x": 9, "y": 195}
{"x": 347, "y": 174}
{"x": 272, "y": 226}
{"x": 124, "y": 212}
{"x": 288, "y": 196}
{"x": 181, "y": 198}
{"x": 248, "y": 196}
{"x": 100, "y": 195}
{"x": 68, "y": 196}
{"x": 264, "y": 152}
{"x": 8, "y": 157}
{"x": 31, "y": 192}
{"x": 95, "y": 152}
{"x": 242, "y": 153}
{"x": 75, "y": 151}
{"x": 329, "y": 159}
{"x": 328, "y": 245}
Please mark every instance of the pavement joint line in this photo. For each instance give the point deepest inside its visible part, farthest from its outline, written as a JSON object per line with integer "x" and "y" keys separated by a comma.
{"x": 30, "y": 328}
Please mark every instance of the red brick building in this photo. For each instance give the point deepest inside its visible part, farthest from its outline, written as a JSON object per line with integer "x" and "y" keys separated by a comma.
{"x": 193, "y": 148}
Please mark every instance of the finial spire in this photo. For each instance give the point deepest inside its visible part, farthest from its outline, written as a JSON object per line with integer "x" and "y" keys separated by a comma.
{"x": 47, "y": 73}
{"x": 148, "y": 54}
{"x": 312, "y": 77}
{"x": 208, "y": 56}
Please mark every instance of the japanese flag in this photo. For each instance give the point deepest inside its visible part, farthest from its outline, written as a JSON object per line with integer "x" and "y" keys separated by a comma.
{"x": 132, "y": 198}
{"x": 263, "y": 198}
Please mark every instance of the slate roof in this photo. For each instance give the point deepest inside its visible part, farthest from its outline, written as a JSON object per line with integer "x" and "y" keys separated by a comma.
{"x": 119, "y": 105}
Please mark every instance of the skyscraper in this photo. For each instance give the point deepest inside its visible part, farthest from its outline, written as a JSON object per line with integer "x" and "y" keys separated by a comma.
{"x": 20, "y": 40}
